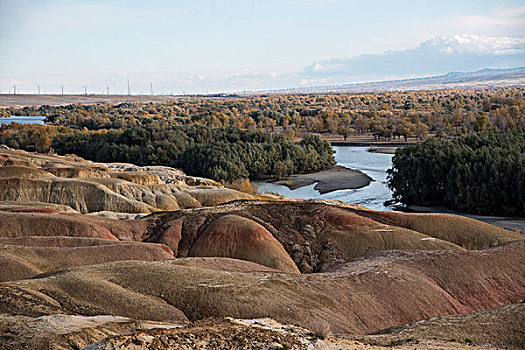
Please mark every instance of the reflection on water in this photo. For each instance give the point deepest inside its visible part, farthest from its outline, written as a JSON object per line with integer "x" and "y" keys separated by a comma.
{"x": 372, "y": 196}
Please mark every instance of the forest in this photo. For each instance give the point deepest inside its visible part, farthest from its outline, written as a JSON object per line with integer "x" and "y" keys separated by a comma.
{"x": 403, "y": 115}
{"x": 223, "y": 154}
{"x": 266, "y": 136}
{"x": 482, "y": 173}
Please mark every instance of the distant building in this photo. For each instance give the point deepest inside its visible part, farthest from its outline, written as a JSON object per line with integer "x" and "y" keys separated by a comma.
{"x": 36, "y": 119}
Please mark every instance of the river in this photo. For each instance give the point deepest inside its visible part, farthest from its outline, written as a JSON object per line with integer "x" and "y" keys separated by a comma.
{"x": 372, "y": 196}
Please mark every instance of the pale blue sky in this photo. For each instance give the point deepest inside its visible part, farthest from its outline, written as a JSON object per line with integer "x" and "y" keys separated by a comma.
{"x": 204, "y": 45}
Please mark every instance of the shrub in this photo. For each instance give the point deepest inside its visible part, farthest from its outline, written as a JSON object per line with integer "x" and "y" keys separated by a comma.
{"x": 319, "y": 328}
{"x": 243, "y": 185}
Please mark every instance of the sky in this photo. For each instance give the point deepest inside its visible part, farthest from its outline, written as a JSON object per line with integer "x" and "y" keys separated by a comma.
{"x": 204, "y": 46}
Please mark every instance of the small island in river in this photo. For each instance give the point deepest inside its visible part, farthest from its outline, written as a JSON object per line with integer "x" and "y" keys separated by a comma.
{"x": 332, "y": 179}
{"x": 383, "y": 150}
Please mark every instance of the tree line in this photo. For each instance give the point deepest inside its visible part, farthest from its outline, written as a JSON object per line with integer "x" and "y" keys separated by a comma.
{"x": 224, "y": 154}
{"x": 481, "y": 173}
{"x": 388, "y": 115}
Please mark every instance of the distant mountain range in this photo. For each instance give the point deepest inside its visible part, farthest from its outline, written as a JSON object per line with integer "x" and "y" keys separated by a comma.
{"x": 484, "y": 78}
{"x": 481, "y": 72}
{"x": 402, "y": 69}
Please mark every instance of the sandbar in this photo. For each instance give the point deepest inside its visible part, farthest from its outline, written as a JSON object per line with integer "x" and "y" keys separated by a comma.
{"x": 332, "y": 179}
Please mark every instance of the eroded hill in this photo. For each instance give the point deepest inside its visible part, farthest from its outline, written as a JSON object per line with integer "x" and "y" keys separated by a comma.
{"x": 153, "y": 248}
{"x": 399, "y": 286}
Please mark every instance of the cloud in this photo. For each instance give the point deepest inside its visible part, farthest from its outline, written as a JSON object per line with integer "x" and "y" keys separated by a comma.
{"x": 475, "y": 44}
{"x": 198, "y": 77}
{"x": 438, "y": 55}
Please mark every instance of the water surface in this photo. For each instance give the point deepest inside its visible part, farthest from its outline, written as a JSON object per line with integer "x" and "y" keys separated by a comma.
{"x": 372, "y": 196}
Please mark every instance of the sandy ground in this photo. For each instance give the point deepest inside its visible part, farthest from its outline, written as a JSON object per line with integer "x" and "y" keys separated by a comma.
{"x": 509, "y": 223}
{"x": 382, "y": 150}
{"x": 333, "y": 179}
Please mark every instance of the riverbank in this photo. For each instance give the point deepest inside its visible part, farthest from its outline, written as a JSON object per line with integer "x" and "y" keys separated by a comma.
{"x": 373, "y": 165}
{"x": 366, "y": 140}
{"x": 371, "y": 143}
{"x": 509, "y": 223}
{"x": 333, "y": 179}
{"x": 363, "y": 140}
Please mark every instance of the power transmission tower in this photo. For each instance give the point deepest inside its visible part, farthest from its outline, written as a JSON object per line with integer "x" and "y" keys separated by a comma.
{"x": 14, "y": 89}
{"x": 107, "y": 88}
{"x": 129, "y": 88}
{"x": 62, "y": 89}
{"x": 85, "y": 90}
{"x": 151, "y": 88}
{"x": 39, "y": 89}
